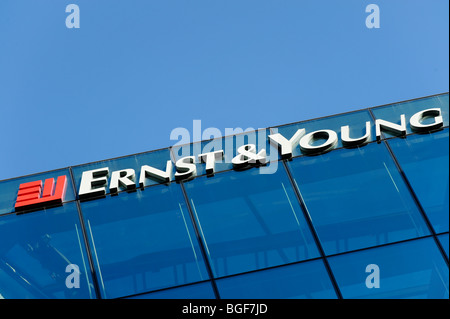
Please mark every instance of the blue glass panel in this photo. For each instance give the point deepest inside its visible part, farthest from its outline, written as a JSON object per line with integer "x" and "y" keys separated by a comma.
{"x": 143, "y": 241}
{"x": 229, "y": 145}
{"x": 414, "y": 269}
{"x": 355, "y": 120}
{"x": 157, "y": 159}
{"x": 9, "y": 188}
{"x": 356, "y": 198}
{"x": 392, "y": 112}
{"x": 443, "y": 239}
{"x": 195, "y": 291}
{"x": 307, "y": 280}
{"x": 424, "y": 159}
{"x": 35, "y": 250}
{"x": 250, "y": 220}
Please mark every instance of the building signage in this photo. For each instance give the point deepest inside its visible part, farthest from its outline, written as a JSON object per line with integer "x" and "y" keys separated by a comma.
{"x": 31, "y": 195}
{"x": 95, "y": 182}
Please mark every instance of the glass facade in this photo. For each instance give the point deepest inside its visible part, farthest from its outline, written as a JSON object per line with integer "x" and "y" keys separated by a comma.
{"x": 413, "y": 269}
{"x": 424, "y": 159}
{"x": 249, "y": 223}
{"x": 351, "y": 217}
{"x": 307, "y": 280}
{"x": 37, "y": 248}
{"x": 366, "y": 220}
{"x": 142, "y": 241}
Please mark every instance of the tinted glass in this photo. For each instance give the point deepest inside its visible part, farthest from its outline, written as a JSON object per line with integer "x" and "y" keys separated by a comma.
{"x": 9, "y": 188}
{"x": 35, "y": 251}
{"x": 196, "y": 291}
{"x": 157, "y": 159}
{"x": 250, "y": 220}
{"x": 356, "y": 198}
{"x": 307, "y": 280}
{"x": 230, "y": 146}
{"x": 443, "y": 239}
{"x": 356, "y": 122}
{"x": 143, "y": 241}
{"x": 424, "y": 159}
{"x": 392, "y": 112}
{"x": 413, "y": 269}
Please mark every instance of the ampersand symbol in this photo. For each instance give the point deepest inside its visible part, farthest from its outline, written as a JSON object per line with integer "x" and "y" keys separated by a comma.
{"x": 247, "y": 157}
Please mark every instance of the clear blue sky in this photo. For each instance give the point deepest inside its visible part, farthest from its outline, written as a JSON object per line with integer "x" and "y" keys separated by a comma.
{"x": 137, "y": 69}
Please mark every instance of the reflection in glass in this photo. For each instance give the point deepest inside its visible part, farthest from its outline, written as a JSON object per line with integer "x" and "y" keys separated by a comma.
{"x": 414, "y": 269}
{"x": 392, "y": 112}
{"x": 424, "y": 160}
{"x": 195, "y": 291}
{"x": 9, "y": 188}
{"x": 249, "y": 220}
{"x": 356, "y": 121}
{"x": 356, "y": 198}
{"x": 306, "y": 280}
{"x": 143, "y": 241}
{"x": 35, "y": 250}
{"x": 157, "y": 159}
{"x": 443, "y": 239}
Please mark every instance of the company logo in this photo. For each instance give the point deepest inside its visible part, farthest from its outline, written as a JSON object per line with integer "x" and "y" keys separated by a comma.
{"x": 36, "y": 195}
{"x": 94, "y": 183}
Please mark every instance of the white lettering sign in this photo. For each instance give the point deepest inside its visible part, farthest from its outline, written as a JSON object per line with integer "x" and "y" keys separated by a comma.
{"x": 95, "y": 182}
